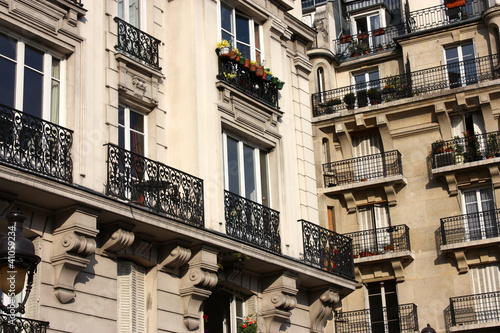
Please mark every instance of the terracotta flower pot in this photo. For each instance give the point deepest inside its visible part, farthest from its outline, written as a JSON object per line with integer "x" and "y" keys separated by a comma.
{"x": 259, "y": 71}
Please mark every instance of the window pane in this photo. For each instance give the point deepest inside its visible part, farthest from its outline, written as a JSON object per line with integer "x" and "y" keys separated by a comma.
{"x": 137, "y": 143}
{"x": 33, "y": 58}
{"x": 133, "y": 8}
{"x": 56, "y": 68}
{"x": 257, "y": 36}
{"x": 137, "y": 122}
{"x": 232, "y": 165}
{"x": 373, "y": 76}
{"x": 451, "y": 55}
{"x": 33, "y": 91}
{"x": 7, "y": 83}
{"x": 467, "y": 52}
{"x": 120, "y": 9}
{"x": 7, "y": 47}
{"x": 242, "y": 30}
{"x": 228, "y": 37}
{"x": 226, "y": 15}
{"x": 244, "y": 49}
{"x": 248, "y": 158}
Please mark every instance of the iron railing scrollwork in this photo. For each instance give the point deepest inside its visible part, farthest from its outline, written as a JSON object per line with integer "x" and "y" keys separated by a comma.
{"x": 154, "y": 185}
{"x": 470, "y": 227}
{"x": 472, "y": 147}
{"x": 453, "y": 75}
{"x": 363, "y": 168}
{"x": 399, "y": 318}
{"x": 441, "y": 15}
{"x": 22, "y": 325}
{"x": 35, "y": 145}
{"x": 138, "y": 44}
{"x": 327, "y": 250}
{"x": 252, "y": 223}
{"x": 475, "y": 309}
{"x": 381, "y": 240}
{"x": 240, "y": 77}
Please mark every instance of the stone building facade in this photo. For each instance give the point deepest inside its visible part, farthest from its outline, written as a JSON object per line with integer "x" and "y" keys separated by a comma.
{"x": 405, "y": 111}
{"x": 166, "y": 187}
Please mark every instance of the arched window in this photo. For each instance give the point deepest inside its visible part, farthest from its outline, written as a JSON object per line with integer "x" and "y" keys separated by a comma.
{"x": 321, "y": 82}
{"x": 326, "y": 150}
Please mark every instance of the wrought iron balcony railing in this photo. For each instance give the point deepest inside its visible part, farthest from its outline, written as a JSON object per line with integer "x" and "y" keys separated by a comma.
{"x": 470, "y": 227}
{"x": 373, "y": 41}
{"x": 441, "y": 15}
{"x": 363, "y": 168}
{"x": 252, "y": 223}
{"x": 137, "y": 44}
{"x": 36, "y": 145}
{"x": 311, "y": 3}
{"x": 475, "y": 309}
{"x": 391, "y": 5}
{"x": 327, "y": 250}
{"x": 154, "y": 185}
{"x": 242, "y": 78}
{"x": 400, "y": 319}
{"x": 472, "y": 147}
{"x": 458, "y": 74}
{"x": 378, "y": 241}
{"x": 22, "y": 325}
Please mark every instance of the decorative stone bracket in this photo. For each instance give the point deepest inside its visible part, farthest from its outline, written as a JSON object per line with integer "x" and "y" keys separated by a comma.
{"x": 173, "y": 255}
{"x": 321, "y": 309}
{"x": 74, "y": 241}
{"x": 198, "y": 276}
{"x": 116, "y": 237}
{"x": 278, "y": 299}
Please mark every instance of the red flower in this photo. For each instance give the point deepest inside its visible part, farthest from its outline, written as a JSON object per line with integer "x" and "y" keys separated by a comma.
{"x": 244, "y": 325}
{"x": 205, "y": 317}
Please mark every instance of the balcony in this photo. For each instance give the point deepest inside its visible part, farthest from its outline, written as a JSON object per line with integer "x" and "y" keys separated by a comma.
{"x": 327, "y": 250}
{"x": 252, "y": 223}
{"x": 474, "y": 312}
{"x": 35, "y": 145}
{"x": 23, "y": 325}
{"x": 472, "y": 147}
{"x": 470, "y": 227}
{"x": 442, "y": 15}
{"x": 454, "y": 75}
{"x": 354, "y": 5}
{"x": 137, "y": 44}
{"x": 150, "y": 184}
{"x": 349, "y": 47}
{"x": 401, "y": 319}
{"x": 361, "y": 169}
{"x": 380, "y": 241}
{"x": 245, "y": 80}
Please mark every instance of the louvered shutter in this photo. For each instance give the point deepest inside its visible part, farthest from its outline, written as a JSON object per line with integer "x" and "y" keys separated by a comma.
{"x": 131, "y": 298}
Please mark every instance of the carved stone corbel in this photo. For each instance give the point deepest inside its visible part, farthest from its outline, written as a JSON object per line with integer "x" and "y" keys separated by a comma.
{"x": 198, "y": 276}
{"x": 116, "y": 237}
{"x": 278, "y": 301}
{"x": 321, "y": 309}
{"x": 74, "y": 241}
{"x": 173, "y": 255}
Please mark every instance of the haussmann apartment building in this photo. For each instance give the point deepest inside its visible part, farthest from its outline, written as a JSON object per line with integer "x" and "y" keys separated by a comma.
{"x": 169, "y": 186}
{"x": 405, "y": 115}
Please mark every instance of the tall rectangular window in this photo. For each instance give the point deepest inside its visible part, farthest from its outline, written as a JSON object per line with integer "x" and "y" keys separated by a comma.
{"x": 128, "y": 10}
{"x": 31, "y": 79}
{"x": 246, "y": 170}
{"x": 374, "y": 219}
{"x": 241, "y": 31}
{"x": 384, "y": 307}
{"x": 364, "y": 82}
{"x": 461, "y": 65}
{"x": 131, "y": 130}
{"x": 481, "y": 220}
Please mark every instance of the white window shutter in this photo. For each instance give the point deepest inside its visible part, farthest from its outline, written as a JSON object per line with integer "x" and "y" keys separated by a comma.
{"x": 131, "y": 297}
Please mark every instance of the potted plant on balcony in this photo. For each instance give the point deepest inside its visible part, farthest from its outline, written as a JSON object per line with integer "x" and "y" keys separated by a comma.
{"x": 380, "y": 47}
{"x": 364, "y": 48}
{"x": 354, "y": 49}
{"x": 459, "y": 150}
{"x": 253, "y": 66}
{"x": 280, "y": 84}
{"x": 379, "y": 31}
{"x": 362, "y": 36}
{"x": 438, "y": 147}
{"x": 349, "y": 100}
{"x": 345, "y": 39}
{"x": 473, "y": 147}
{"x": 223, "y": 47}
{"x": 492, "y": 145}
{"x": 389, "y": 247}
{"x": 237, "y": 55}
{"x": 374, "y": 96}
{"x": 454, "y": 3}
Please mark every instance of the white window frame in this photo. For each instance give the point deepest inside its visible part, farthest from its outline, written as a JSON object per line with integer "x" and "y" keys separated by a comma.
{"x": 460, "y": 59}
{"x": 366, "y": 15}
{"x": 47, "y": 79}
{"x": 241, "y": 170}
{"x": 142, "y": 13}
{"x": 366, "y": 75}
{"x": 480, "y": 210}
{"x": 126, "y": 127}
{"x": 251, "y": 30}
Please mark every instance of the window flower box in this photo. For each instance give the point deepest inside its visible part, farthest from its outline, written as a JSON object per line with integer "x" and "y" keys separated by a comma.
{"x": 379, "y": 32}
{"x": 345, "y": 39}
{"x": 454, "y": 3}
